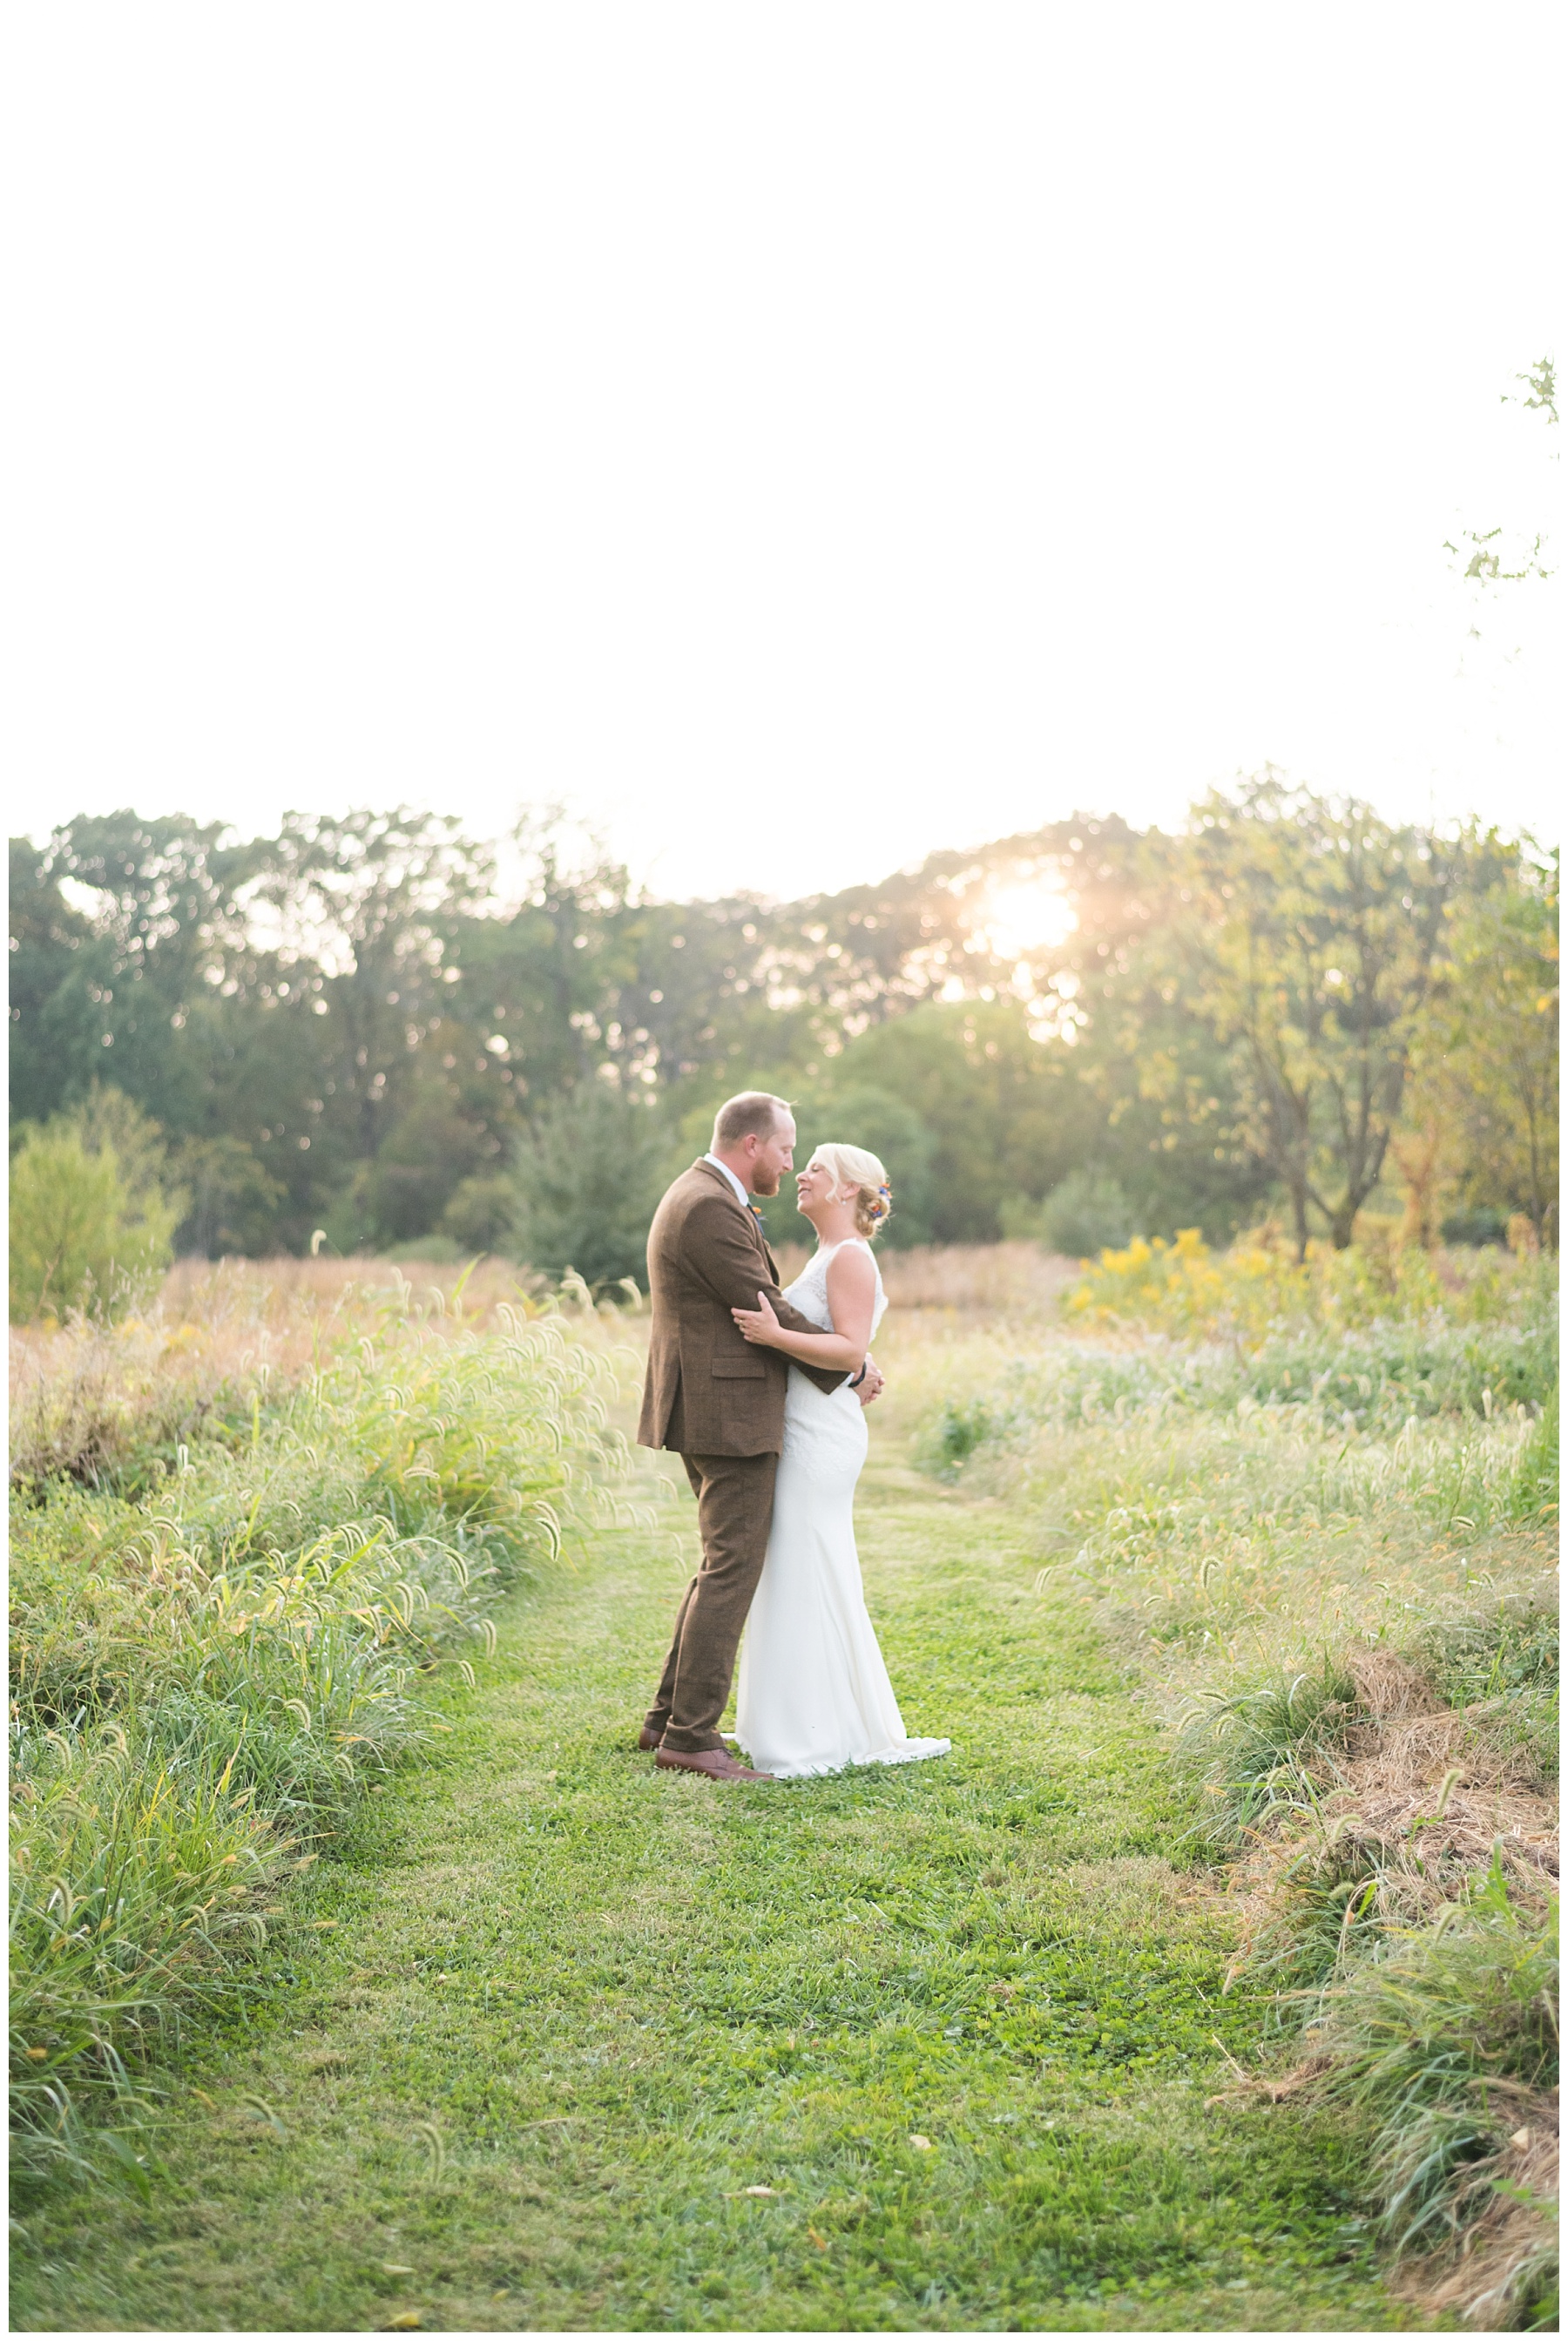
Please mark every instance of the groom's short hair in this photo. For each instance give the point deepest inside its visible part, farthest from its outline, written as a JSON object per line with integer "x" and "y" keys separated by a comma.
{"x": 753, "y": 1111}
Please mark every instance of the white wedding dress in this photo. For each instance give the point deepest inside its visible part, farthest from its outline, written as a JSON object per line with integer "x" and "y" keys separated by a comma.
{"x": 814, "y": 1694}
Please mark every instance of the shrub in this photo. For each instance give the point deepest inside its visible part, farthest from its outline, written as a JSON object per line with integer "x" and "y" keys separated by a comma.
{"x": 77, "y": 1238}
{"x": 1087, "y": 1213}
{"x": 947, "y": 1443}
{"x": 111, "y": 1405}
{"x": 1257, "y": 1290}
{"x": 859, "y": 1114}
{"x": 1480, "y": 1224}
{"x": 587, "y": 1180}
{"x": 235, "y": 1200}
{"x": 479, "y": 1213}
{"x": 1181, "y": 1288}
{"x": 1373, "y": 1382}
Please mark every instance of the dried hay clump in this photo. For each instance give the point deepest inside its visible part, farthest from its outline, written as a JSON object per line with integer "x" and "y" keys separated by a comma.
{"x": 1404, "y": 1898}
{"x": 1502, "y": 2271}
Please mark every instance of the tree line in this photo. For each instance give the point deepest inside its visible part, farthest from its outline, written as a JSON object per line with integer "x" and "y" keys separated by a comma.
{"x": 375, "y": 1033}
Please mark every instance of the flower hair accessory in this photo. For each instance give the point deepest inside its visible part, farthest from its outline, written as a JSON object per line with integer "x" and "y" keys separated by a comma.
{"x": 882, "y": 1206}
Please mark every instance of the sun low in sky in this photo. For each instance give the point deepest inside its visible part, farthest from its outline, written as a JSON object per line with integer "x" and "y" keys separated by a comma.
{"x": 1032, "y": 915}
{"x": 797, "y": 441}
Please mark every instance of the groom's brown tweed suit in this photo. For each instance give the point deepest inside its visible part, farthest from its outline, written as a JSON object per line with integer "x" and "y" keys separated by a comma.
{"x": 718, "y": 1402}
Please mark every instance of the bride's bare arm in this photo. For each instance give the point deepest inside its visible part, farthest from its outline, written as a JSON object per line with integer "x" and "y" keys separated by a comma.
{"x": 852, "y": 1297}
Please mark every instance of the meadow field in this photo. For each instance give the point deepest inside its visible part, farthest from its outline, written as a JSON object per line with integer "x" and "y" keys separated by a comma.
{"x": 363, "y": 1975}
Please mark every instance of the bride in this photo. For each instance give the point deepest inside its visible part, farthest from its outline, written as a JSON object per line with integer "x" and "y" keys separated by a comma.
{"x": 814, "y": 1694}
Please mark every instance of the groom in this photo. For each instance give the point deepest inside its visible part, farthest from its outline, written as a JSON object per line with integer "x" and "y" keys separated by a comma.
{"x": 718, "y": 1402}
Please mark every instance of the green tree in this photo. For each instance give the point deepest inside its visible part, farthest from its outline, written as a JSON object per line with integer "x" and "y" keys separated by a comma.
{"x": 588, "y": 1175}
{"x": 986, "y": 1112}
{"x": 103, "y": 984}
{"x": 1155, "y": 1104}
{"x": 479, "y": 1213}
{"x": 1487, "y": 1051}
{"x": 1087, "y": 1213}
{"x": 848, "y": 1108}
{"x": 235, "y": 1202}
{"x": 1308, "y": 929}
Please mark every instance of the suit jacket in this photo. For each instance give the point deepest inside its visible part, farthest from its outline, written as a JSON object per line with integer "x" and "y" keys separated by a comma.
{"x": 706, "y": 1256}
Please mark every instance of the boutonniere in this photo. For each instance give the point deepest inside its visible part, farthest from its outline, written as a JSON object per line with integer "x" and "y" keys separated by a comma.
{"x": 756, "y": 1211}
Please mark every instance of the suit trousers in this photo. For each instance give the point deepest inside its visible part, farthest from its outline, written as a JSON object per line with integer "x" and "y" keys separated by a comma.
{"x": 734, "y": 1513}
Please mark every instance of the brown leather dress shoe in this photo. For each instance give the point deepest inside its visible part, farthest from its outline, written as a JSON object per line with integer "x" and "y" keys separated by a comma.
{"x": 714, "y": 1763}
{"x": 647, "y": 1740}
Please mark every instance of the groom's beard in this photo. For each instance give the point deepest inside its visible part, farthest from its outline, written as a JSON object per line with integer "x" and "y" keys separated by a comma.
{"x": 765, "y": 1182}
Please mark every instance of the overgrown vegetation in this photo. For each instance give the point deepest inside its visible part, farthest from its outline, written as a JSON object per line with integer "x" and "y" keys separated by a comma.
{"x": 215, "y": 1650}
{"x": 1319, "y": 1504}
{"x": 564, "y": 2043}
{"x": 1192, "y": 2021}
{"x": 79, "y": 1238}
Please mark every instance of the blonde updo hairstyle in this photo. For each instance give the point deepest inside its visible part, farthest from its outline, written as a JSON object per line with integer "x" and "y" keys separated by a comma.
{"x": 855, "y": 1171}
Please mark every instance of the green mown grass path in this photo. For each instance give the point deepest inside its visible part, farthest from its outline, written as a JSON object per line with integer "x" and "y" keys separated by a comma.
{"x": 534, "y": 2026}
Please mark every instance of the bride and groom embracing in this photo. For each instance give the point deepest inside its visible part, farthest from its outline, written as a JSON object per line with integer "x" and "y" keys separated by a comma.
{"x": 761, "y": 1393}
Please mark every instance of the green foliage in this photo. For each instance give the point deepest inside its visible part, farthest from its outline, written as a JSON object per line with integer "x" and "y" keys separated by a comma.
{"x": 1308, "y": 932}
{"x": 1000, "y": 1109}
{"x": 1182, "y": 1290}
{"x": 1258, "y": 1748}
{"x": 618, "y": 2005}
{"x": 1327, "y": 1548}
{"x": 1255, "y": 1294}
{"x": 1515, "y": 1650}
{"x": 1478, "y": 1223}
{"x": 78, "y": 1237}
{"x": 234, "y": 1201}
{"x": 479, "y": 1213}
{"x": 850, "y": 1108}
{"x": 959, "y": 1431}
{"x": 133, "y": 1886}
{"x": 1486, "y": 1049}
{"x": 1502, "y": 1665}
{"x": 586, "y": 1182}
{"x": 343, "y": 1027}
{"x": 1085, "y": 1212}
{"x": 204, "y": 1679}
{"x": 1445, "y": 2038}
{"x": 1383, "y": 1383}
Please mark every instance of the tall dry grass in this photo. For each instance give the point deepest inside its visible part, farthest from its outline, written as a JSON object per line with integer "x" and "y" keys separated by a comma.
{"x": 93, "y": 1402}
{"x": 1012, "y": 1282}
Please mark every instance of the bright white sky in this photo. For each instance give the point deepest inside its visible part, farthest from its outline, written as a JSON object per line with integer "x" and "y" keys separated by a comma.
{"x": 797, "y": 438}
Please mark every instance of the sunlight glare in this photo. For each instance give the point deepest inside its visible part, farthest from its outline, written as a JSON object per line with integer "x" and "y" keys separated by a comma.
{"x": 1035, "y": 915}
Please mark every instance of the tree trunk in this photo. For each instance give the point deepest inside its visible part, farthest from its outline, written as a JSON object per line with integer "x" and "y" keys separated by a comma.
{"x": 1420, "y": 1160}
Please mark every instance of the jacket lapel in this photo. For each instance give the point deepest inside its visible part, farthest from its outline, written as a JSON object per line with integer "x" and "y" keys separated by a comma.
{"x": 747, "y": 1213}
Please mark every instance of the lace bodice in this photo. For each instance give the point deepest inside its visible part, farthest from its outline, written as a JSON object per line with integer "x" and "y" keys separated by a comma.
{"x": 810, "y": 1290}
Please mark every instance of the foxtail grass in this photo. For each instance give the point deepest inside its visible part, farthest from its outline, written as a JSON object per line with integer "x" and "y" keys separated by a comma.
{"x": 207, "y": 1672}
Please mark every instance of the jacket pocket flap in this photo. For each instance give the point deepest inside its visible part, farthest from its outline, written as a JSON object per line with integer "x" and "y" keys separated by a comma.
{"x": 733, "y": 1370}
